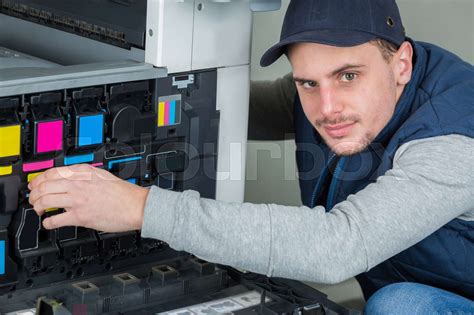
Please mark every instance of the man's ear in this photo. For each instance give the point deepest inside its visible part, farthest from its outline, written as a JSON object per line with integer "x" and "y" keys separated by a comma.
{"x": 403, "y": 63}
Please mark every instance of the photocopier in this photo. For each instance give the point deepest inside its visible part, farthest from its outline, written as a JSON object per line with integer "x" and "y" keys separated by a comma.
{"x": 156, "y": 92}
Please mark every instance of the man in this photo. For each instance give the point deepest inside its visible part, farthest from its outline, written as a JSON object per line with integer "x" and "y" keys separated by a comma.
{"x": 384, "y": 130}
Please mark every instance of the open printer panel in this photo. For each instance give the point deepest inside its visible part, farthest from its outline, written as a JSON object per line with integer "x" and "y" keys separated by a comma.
{"x": 87, "y": 18}
{"x": 145, "y": 125}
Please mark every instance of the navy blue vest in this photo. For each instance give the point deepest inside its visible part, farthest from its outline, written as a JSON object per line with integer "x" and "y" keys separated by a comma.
{"x": 439, "y": 100}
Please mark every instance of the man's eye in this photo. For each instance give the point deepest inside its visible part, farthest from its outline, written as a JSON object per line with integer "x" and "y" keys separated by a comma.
{"x": 347, "y": 77}
{"x": 309, "y": 84}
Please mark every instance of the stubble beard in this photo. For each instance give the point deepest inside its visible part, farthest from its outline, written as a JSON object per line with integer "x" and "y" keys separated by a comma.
{"x": 348, "y": 148}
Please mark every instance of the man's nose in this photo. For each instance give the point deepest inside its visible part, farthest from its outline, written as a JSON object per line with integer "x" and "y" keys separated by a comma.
{"x": 329, "y": 102}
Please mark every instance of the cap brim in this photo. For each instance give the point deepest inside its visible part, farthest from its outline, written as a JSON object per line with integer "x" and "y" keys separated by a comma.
{"x": 339, "y": 38}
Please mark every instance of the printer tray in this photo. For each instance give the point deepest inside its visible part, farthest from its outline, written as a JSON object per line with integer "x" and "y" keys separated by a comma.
{"x": 183, "y": 285}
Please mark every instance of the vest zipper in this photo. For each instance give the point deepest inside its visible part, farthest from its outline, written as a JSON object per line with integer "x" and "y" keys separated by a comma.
{"x": 317, "y": 188}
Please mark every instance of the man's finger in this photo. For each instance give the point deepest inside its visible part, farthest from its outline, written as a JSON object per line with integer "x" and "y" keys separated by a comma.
{"x": 52, "y": 201}
{"x": 74, "y": 172}
{"x": 59, "y": 186}
{"x": 51, "y": 174}
{"x": 59, "y": 220}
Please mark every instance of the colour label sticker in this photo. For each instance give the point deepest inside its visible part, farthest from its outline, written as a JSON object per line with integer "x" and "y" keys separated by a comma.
{"x": 33, "y": 176}
{"x": 112, "y": 163}
{"x": 37, "y": 166}
{"x": 78, "y": 159}
{"x": 6, "y": 170}
{"x": 49, "y": 136}
{"x": 2, "y": 257}
{"x": 90, "y": 130}
{"x": 10, "y": 141}
{"x": 169, "y": 110}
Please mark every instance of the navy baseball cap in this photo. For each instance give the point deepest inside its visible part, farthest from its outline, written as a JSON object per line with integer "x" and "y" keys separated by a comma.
{"x": 342, "y": 23}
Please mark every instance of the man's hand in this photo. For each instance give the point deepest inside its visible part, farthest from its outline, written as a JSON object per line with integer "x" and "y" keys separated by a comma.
{"x": 92, "y": 198}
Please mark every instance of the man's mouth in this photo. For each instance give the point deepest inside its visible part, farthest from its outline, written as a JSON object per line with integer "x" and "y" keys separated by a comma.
{"x": 338, "y": 130}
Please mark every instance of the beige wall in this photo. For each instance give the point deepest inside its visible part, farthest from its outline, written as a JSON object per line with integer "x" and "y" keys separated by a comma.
{"x": 270, "y": 165}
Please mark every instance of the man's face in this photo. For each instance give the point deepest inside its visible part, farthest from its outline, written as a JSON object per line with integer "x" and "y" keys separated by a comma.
{"x": 348, "y": 94}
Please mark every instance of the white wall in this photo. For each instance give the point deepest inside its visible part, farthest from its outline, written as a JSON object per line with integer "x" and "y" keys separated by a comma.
{"x": 271, "y": 166}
